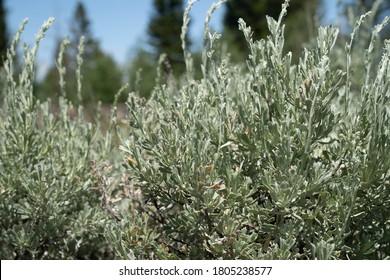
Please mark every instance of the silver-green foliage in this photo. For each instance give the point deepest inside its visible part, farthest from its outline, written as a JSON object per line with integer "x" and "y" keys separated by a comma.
{"x": 277, "y": 161}
{"x": 280, "y": 161}
{"x": 50, "y": 205}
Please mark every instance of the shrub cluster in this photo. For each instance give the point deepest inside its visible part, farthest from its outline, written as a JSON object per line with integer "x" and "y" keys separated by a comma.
{"x": 49, "y": 173}
{"x": 268, "y": 160}
{"x": 275, "y": 161}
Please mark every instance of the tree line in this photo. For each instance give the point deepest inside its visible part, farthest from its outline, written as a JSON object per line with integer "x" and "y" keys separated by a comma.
{"x": 102, "y": 77}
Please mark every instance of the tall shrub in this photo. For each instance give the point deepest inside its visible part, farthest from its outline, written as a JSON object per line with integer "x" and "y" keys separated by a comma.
{"x": 277, "y": 162}
{"x": 50, "y": 170}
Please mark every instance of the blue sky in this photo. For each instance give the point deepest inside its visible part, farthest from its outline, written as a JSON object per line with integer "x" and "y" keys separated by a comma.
{"x": 119, "y": 25}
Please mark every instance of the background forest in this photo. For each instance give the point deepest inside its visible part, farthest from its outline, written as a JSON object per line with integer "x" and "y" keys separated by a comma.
{"x": 102, "y": 76}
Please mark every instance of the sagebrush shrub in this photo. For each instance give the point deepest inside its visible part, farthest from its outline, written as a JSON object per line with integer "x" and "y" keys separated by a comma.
{"x": 277, "y": 161}
{"x": 50, "y": 205}
{"x": 270, "y": 160}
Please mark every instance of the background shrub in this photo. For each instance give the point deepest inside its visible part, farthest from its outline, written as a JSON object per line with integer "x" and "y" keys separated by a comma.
{"x": 50, "y": 206}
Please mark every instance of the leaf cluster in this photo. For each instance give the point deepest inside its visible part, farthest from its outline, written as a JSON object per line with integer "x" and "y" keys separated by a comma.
{"x": 49, "y": 173}
{"x": 281, "y": 161}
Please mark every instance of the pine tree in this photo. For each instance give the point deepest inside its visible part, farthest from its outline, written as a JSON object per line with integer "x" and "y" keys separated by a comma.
{"x": 165, "y": 29}
{"x": 299, "y": 20}
{"x": 3, "y": 33}
{"x": 102, "y": 77}
{"x": 81, "y": 26}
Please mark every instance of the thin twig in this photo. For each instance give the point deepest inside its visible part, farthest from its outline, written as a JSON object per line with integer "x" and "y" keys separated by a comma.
{"x": 103, "y": 182}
